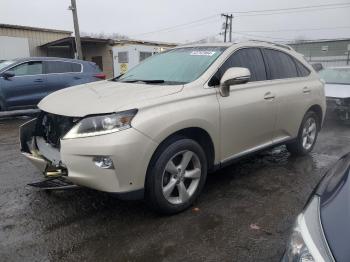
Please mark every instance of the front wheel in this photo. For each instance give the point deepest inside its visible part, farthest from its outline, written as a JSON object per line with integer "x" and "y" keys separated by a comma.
{"x": 176, "y": 177}
{"x": 307, "y": 135}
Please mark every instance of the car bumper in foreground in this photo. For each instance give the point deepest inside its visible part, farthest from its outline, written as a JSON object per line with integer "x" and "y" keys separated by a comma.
{"x": 340, "y": 106}
{"x": 75, "y": 161}
{"x": 307, "y": 241}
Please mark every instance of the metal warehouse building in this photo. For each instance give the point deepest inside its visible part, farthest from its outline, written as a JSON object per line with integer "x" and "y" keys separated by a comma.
{"x": 328, "y": 52}
{"x": 18, "y": 41}
{"x": 112, "y": 56}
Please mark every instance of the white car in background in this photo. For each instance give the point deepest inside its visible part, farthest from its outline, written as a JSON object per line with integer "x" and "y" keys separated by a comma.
{"x": 337, "y": 90}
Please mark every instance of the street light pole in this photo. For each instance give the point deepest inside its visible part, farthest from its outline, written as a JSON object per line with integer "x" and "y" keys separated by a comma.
{"x": 73, "y": 7}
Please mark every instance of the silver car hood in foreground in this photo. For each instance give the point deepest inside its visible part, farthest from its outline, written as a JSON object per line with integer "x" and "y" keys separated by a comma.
{"x": 336, "y": 90}
{"x": 102, "y": 97}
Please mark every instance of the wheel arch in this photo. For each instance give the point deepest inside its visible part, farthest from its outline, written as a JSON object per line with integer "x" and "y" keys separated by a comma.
{"x": 198, "y": 134}
{"x": 318, "y": 111}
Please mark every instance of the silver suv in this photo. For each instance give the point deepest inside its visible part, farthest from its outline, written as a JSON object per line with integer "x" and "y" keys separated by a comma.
{"x": 156, "y": 131}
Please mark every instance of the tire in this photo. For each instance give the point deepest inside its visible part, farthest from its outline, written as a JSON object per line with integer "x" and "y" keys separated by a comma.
{"x": 307, "y": 135}
{"x": 169, "y": 187}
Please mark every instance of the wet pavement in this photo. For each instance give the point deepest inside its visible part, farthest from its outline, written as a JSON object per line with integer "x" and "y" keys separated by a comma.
{"x": 244, "y": 214}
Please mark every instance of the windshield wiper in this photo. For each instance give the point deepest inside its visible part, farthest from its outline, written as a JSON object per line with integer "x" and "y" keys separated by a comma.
{"x": 152, "y": 81}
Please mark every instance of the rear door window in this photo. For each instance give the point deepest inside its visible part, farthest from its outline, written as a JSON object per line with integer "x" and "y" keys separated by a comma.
{"x": 250, "y": 58}
{"x": 280, "y": 64}
{"x": 62, "y": 67}
{"x": 28, "y": 68}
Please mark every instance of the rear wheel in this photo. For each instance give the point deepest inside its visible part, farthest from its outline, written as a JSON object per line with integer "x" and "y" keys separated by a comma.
{"x": 307, "y": 135}
{"x": 176, "y": 177}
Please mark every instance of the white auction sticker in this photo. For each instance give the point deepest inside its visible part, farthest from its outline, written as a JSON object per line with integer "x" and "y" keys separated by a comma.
{"x": 205, "y": 53}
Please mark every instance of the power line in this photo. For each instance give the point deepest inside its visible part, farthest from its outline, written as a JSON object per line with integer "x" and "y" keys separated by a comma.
{"x": 293, "y": 11}
{"x": 290, "y": 8}
{"x": 294, "y": 30}
{"x": 179, "y": 25}
{"x": 250, "y": 13}
{"x": 191, "y": 26}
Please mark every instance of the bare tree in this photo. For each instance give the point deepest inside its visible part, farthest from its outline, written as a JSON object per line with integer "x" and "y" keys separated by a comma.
{"x": 299, "y": 39}
{"x": 103, "y": 35}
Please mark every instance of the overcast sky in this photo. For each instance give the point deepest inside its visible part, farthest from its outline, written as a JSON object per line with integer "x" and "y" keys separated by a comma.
{"x": 134, "y": 18}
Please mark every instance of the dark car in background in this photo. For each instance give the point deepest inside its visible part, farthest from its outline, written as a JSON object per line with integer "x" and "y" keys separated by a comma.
{"x": 322, "y": 230}
{"x": 25, "y": 81}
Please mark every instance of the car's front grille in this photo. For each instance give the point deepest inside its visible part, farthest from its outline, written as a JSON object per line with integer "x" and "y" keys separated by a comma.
{"x": 53, "y": 127}
{"x": 332, "y": 103}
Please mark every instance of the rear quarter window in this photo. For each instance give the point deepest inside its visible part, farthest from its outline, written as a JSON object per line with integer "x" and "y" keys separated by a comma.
{"x": 302, "y": 70}
{"x": 280, "y": 64}
{"x": 62, "y": 67}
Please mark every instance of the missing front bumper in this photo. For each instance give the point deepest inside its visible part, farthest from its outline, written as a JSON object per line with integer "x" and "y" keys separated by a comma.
{"x": 42, "y": 155}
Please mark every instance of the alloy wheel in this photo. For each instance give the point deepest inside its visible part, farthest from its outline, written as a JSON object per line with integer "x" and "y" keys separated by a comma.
{"x": 309, "y": 133}
{"x": 181, "y": 177}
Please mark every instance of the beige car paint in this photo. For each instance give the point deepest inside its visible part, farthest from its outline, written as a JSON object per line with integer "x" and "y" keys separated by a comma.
{"x": 255, "y": 115}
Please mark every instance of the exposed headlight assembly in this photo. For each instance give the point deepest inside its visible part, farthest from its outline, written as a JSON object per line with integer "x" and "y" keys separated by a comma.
{"x": 339, "y": 102}
{"x": 307, "y": 242}
{"x": 102, "y": 124}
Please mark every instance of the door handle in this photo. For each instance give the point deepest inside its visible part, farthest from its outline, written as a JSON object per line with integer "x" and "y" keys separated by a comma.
{"x": 306, "y": 90}
{"x": 77, "y": 77}
{"x": 38, "y": 80}
{"x": 269, "y": 96}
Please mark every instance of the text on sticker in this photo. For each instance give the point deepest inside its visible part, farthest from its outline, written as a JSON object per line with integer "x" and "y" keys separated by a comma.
{"x": 206, "y": 53}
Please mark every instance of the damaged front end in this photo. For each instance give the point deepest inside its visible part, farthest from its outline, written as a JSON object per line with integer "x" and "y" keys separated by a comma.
{"x": 40, "y": 143}
{"x": 340, "y": 107}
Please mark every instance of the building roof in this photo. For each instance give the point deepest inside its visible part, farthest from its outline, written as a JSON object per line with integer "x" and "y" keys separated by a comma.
{"x": 85, "y": 39}
{"x": 34, "y": 28}
{"x": 319, "y": 41}
{"x": 70, "y": 39}
{"x": 144, "y": 42}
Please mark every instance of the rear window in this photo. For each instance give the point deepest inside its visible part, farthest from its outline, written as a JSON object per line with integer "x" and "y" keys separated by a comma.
{"x": 280, "y": 64}
{"x": 62, "y": 67}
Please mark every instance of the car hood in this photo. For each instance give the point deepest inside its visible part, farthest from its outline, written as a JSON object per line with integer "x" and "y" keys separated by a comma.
{"x": 334, "y": 192}
{"x": 336, "y": 90}
{"x": 102, "y": 97}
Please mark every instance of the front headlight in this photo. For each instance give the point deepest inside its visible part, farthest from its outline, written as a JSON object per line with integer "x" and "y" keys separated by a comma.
{"x": 307, "y": 242}
{"x": 102, "y": 124}
{"x": 339, "y": 102}
{"x": 297, "y": 250}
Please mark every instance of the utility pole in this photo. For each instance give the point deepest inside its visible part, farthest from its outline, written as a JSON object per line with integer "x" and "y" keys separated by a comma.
{"x": 227, "y": 17}
{"x": 73, "y": 7}
{"x": 231, "y": 17}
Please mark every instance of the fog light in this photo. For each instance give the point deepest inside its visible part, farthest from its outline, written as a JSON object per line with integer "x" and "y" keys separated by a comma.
{"x": 103, "y": 162}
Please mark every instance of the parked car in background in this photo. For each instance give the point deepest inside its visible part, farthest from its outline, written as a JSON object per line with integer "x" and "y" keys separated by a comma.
{"x": 24, "y": 82}
{"x": 338, "y": 90}
{"x": 155, "y": 131}
{"x": 322, "y": 230}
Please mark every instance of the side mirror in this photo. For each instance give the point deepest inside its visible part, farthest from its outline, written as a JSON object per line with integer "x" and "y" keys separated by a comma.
{"x": 233, "y": 76}
{"x": 318, "y": 67}
{"x": 7, "y": 74}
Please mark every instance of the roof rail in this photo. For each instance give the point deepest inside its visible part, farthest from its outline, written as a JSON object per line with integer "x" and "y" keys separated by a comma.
{"x": 273, "y": 43}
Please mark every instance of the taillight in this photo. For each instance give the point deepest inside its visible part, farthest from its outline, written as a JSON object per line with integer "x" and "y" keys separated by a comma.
{"x": 100, "y": 76}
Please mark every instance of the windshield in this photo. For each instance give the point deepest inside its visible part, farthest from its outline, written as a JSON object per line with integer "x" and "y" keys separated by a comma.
{"x": 336, "y": 75}
{"x": 4, "y": 64}
{"x": 177, "y": 66}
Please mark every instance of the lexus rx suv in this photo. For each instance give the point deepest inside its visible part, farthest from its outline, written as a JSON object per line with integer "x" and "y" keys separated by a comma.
{"x": 156, "y": 131}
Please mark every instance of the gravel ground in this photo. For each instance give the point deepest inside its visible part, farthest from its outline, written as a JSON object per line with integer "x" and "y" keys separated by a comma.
{"x": 244, "y": 214}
